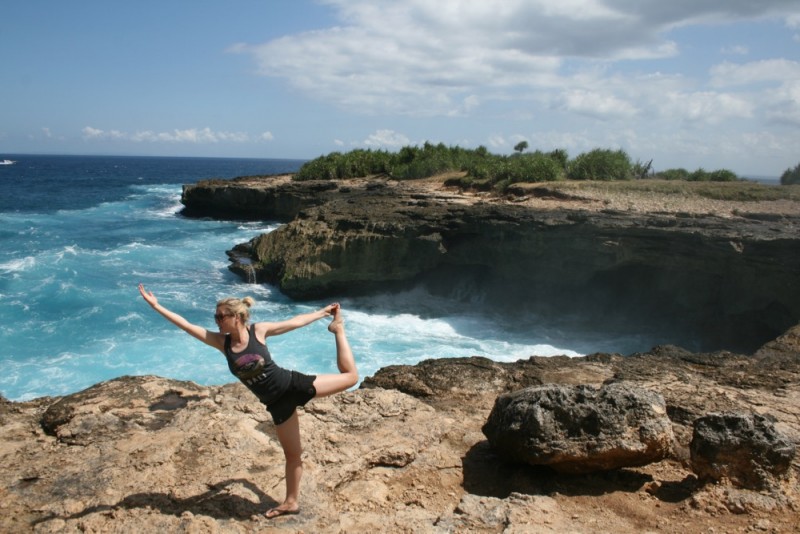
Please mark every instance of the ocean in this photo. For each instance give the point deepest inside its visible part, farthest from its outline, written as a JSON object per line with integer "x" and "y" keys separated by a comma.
{"x": 79, "y": 233}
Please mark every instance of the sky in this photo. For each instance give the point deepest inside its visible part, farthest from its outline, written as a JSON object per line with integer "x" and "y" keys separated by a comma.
{"x": 707, "y": 84}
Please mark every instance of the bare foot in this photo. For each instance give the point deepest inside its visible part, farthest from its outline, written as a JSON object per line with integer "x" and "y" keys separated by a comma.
{"x": 281, "y": 510}
{"x": 337, "y": 325}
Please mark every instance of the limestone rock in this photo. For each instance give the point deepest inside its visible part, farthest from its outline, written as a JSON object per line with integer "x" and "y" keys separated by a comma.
{"x": 727, "y": 281}
{"x": 745, "y": 448}
{"x": 581, "y": 429}
{"x": 146, "y": 454}
{"x": 106, "y": 410}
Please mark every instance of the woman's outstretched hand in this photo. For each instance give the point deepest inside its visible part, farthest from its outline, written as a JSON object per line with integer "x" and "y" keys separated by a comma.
{"x": 330, "y": 309}
{"x": 148, "y": 296}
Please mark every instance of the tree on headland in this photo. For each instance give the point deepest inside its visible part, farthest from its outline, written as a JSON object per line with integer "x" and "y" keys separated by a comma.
{"x": 521, "y": 147}
{"x": 791, "y": 176}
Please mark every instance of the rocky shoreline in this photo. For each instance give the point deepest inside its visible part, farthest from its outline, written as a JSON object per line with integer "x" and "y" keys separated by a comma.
{"x": 723, "y": 273}
{"x": 405, "y": 452}
{"x": 408, "y": 450}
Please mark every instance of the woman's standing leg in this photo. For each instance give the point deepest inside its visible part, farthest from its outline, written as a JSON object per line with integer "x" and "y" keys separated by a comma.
{"x": 289, "y": 437}
{"x": 348, "y": 377}
{"x": 289, "y": 430}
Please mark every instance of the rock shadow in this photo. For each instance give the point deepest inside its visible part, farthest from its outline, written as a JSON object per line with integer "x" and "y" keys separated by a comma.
{"x": 489, "y": 475}
{"x": 220, "y": 502}
{"x": 172, "y": 401}
{"x": 676, "y": 491}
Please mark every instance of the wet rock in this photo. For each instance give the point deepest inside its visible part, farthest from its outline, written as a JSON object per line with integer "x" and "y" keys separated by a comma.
{"x": 581, "y": 429}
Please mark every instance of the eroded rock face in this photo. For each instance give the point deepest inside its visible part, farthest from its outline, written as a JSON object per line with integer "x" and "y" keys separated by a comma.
{"x": 745, "y": 448}
{"x": 581, "y": 429}
{"x": 727, "y": 282}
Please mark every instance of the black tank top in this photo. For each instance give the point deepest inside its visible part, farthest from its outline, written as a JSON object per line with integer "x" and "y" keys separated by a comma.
{"x": 256, "y": 370}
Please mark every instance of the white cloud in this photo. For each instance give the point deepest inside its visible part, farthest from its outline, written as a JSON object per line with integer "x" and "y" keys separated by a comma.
{"x": 770, "y": 70}
{"x": 94, "y": 133}
{"x": 706, "y": 107}
{"x": 597, "y": 105}
{"x": 452, "y": 57}
{"x": 266, "y": 136}
{"x": 498, "y": 142}
{"x": 784, "y": 104}
{"x": 386, "y": 139}
{"x": 191, "y": 135}
{"x": 91, "y": 133}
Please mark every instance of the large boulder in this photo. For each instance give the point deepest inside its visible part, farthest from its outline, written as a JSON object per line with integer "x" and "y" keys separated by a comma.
{"x": 745, "y": 448}
{"x": 581, "y": 429}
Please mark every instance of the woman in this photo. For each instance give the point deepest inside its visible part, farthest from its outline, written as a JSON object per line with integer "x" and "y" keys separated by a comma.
{"x": 282, "y": 391}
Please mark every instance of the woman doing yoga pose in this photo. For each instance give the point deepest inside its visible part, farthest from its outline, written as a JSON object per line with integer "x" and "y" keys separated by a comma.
{"x": 281, "y": 390}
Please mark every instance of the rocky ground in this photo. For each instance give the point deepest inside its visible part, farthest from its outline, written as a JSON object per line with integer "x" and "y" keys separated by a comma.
{"x": 403, "y": 453}
{"x": 646, "y": 196}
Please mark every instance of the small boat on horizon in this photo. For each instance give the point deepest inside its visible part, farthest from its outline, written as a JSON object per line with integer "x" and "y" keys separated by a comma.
{"x": 7, "y": 162}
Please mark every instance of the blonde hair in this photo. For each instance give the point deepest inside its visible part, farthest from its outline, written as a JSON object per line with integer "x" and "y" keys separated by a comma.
{"x": 237, "y": 307}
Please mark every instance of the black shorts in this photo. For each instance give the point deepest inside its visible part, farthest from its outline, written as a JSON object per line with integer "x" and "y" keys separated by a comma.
{"x": 301, "y": 390}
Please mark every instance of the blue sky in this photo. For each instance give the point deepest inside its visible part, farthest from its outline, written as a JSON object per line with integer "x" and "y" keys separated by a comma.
{"x": 686, "y": 83}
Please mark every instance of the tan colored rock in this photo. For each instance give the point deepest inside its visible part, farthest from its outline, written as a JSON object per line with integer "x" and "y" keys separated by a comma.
{"x": 145, "y": 454}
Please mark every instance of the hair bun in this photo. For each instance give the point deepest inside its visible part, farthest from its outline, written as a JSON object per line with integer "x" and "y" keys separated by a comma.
{"x": 248, "y": 301}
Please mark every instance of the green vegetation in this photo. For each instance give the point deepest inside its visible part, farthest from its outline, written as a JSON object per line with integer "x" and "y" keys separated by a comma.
{"x": 700, "y": 175}
{"x": 600, "y": 164}
{"x": 354, "y": 164}
{"x": 479, "y": 169}
{"x": 791, "y": 176}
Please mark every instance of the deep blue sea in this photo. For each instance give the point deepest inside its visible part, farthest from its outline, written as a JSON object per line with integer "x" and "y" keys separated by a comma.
{"x": 78, "y": 233}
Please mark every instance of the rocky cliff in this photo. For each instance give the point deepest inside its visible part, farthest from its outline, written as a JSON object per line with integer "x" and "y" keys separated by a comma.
{"x": 404, "y": 453}
{"x": 725, "y": 276}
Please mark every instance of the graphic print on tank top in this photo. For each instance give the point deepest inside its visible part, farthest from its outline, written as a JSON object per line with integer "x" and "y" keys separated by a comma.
{"x": 248, "y": 366}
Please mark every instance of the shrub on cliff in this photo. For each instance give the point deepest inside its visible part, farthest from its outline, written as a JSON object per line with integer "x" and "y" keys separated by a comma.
{"x": 601, "y": 164}
{"x": 700, "y": 175}
{"x": 353, "y": 164}
{"x": 415, "y": 162}
{"x": 720, "y": 175}
{"x": 407, "y": 164}
{"x": 535, "y": 167}
{"x": 673, "y": 174}
{"x": 498, "y": 172}
{"x": 791, "y": 176}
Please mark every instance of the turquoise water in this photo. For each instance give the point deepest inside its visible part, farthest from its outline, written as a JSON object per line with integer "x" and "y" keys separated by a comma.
{"x": 77, "y": 234}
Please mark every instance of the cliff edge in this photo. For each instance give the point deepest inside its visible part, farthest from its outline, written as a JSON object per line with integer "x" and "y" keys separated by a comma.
{"x": 723, "y": 272}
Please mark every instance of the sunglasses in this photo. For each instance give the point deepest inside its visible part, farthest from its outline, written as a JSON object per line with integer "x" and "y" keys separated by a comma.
{"x": 220, "y": 316}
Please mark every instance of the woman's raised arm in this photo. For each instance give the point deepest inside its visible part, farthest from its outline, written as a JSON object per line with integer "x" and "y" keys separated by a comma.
{"x": 213, "y": 339}
{"x": 298, "y": 321}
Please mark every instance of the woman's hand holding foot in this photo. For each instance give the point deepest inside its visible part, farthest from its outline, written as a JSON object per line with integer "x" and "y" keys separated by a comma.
{"x": 337, "y": 324}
